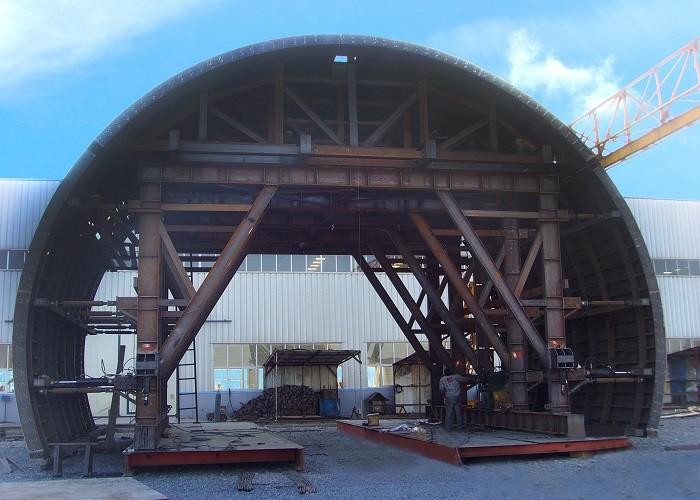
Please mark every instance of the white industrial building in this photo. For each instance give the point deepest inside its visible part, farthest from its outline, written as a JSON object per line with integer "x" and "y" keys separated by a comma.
{"x": 282, "y": 302}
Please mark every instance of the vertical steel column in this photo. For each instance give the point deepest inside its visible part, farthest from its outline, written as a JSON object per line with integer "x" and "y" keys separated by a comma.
{"x": 516, "y": 338}
{"x": 456, "y": 308}
{"x": 483, "y": 346}
{"x": 423, "y": 109}
{"x": 148, "y": 326}
{"x": 278, "y": 104}
{"x": 554, "y": 298}
{"x": 352, "y": 103}
{"x": 432, "y": 276}
{"x": 203, "y": 114}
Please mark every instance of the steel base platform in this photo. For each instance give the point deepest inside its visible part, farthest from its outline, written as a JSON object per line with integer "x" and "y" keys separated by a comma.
{"x": 216, "y": 443}
{"x": 474, "y": 442}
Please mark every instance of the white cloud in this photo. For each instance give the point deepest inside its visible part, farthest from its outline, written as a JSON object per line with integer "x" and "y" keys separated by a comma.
{"x": 517, "y": 54}
{"x": 479, "y": 42}
{"x": 44, "y": 37}
{"x": 535, "y": 71}
{"x": 563, "y": 60}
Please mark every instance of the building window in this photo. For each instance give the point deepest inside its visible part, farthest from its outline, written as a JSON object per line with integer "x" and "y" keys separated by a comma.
{"x": 676, "y": 267}
{"x": 381, "y": 357}
{"x": 344, "y": 263}
{"x": 240, "y": 366}
{"x": 285, "y": 263}
{"x": 253, "y": 262}
{"x": 7, "y": 383}
{"x": 12, "y": 260}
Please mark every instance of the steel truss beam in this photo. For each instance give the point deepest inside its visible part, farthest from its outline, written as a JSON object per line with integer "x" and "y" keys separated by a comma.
{"x": 456, "y": 332}
{"x": 394, "y": 311}
{"x": 213, "y": 286}
{"x": 482, "y": 255}
{"x": 455, "y": 277}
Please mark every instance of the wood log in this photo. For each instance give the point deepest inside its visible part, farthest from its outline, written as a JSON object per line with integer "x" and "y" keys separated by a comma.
{"x": 292, "y": 400}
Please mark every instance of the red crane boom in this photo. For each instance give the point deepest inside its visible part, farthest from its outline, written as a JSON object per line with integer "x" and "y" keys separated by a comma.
{"x": 656, "y": 104}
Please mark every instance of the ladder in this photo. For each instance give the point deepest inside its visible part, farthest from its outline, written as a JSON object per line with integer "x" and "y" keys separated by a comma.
{"x": 186, "y": 377}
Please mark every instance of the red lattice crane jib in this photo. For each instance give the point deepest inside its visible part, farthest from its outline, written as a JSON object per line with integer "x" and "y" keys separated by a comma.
{"x": 661, "y": 101}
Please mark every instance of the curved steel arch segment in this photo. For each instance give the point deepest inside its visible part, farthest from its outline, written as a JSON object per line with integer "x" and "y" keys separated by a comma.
{"x": 376, "y": 132}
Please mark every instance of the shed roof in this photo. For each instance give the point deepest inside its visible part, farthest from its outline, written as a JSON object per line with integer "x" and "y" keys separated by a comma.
{"x": 311, "y": 357}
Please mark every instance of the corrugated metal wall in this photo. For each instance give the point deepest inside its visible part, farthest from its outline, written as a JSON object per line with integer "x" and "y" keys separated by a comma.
{"x": 302, "y": 308}
{"x": 9, "y": 281}
{"x": 680, "y": 297}
{"x": 671, "y": 228}
{"x": 23, "y": 203}
{"x": 275, "y": 308}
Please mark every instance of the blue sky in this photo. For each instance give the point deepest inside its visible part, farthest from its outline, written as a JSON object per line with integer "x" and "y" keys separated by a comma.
{"x": 67, "y": 68}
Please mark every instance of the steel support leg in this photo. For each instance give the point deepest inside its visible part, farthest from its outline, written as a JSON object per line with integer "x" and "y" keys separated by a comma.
{"x": 393, "y": 310}
{"x": 554, "y": 300}
{"x": 178, "y": 281}
{"x": 516, "y": 339}
{"x": 455, "y": 277}
{"x": 148, "y": 325}
{"x": 482, "y": 255}
{"x": 483, "y": 347}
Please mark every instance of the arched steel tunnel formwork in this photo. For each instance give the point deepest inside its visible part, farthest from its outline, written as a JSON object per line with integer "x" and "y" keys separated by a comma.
{"x": 347, "y": 145}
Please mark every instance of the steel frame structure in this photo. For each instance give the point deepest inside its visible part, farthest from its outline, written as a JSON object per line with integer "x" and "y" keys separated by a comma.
{"x": 344, "y": 145}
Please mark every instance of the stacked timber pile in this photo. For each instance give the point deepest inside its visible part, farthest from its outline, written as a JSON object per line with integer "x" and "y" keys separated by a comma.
{"x": 291, "y": 400}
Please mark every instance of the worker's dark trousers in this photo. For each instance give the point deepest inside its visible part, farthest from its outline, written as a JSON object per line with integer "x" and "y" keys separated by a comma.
{"x": 453, "y": 407}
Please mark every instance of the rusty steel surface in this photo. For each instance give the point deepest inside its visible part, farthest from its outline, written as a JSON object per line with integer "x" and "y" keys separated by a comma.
{"x": 577, "y": 446}
{"x": 344, "y": 152}
{"x": 453, "y": 448}
{"x": 436, "y": 451}
{"x": 226, "y": 443}
{"x": 210, "y": 291}
{"x": 199, "y": 457}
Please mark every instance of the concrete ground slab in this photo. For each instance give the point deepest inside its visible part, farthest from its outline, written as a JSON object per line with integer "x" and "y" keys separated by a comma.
{"x": 122, "y": 488}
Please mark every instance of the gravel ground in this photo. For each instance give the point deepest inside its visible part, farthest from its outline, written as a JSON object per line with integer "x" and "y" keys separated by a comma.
{"x": 340, "y": 466}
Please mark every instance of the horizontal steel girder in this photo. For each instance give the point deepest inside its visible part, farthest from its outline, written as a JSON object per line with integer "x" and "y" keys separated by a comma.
{"x": 349, "y": 176}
